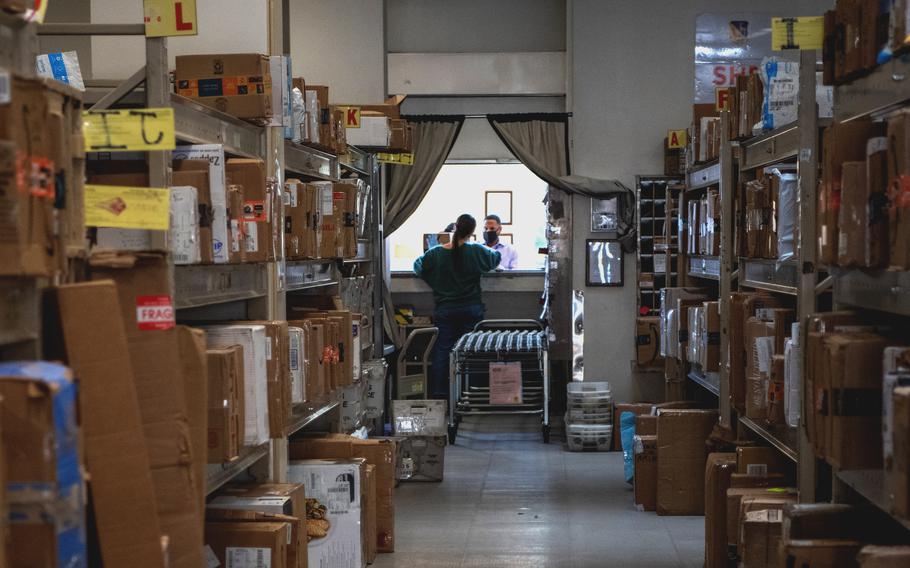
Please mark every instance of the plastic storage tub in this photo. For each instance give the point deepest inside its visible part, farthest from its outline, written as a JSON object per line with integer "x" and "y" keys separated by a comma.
{"x": 589, "y": 437}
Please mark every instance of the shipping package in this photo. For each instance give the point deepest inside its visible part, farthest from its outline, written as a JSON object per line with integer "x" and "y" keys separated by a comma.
{"x": 257, "y": 207}
{"x": 874, "y": 556}
{"x": 752, "y": 504}
{"x": 646, "y": 425}
{"x": 188, "y": 158}
{"x": 325, "y": 208}
{"x": 710, "y": 337}
{"x": 897, "y": 475}
{"x": 295, "y": 219}
{"x": 853, "y": 218}
{"x": 876, "y": 232}
{"x": 400, "y": 135}
{"x": 759, "y": 339}
{"x": 313, "y": 362}
{"x": 195, "y": 375}
{"x": 283, "y": 498}
{"x": 225, "y": 403}
{"x": 40, "y": 411}
{"x": 278, "y": 373}
{"x": 254, "y": 342}
{"x": 719, "y": 469}
{"x": 761, "y": 539}
{"x": 369, "y": 514}
{"x": 899, "y": 190}
{"x": 645, "y": 477}
{"x": 735, "y": 498}
{"x": 91, "y": 338}
{"x": 195, "y": 174}
{"x": 681, "y": 455}
{"x": 828, "y": 553}
{"x": 374, "y": 132}
{"x": 668, "y": 302}
{"x": 297, "y": 533}
{"x": 424, "y": 457}
{"x": 647, "y": 342}
{"x": 240, "y": 543}
{"x": 348, "y": 358}
{"x": 334, "y": 510}
{"x": 340, "y": 199}
{"x": 147, "y": 310}
{"x": 239, "y": 84}
{"x": 760, "y": 461}
{"x": 237, "y": 226}
{"x": 183, "y": 232}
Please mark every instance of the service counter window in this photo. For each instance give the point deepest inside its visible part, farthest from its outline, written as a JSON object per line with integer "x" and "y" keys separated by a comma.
{"x": 509, "y": 191}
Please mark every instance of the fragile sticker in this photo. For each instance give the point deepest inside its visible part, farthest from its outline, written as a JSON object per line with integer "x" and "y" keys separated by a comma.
{"x": 154, "y": 313}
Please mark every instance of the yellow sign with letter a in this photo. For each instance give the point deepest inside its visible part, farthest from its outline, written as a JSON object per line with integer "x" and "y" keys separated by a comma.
{"x": 676, "y": 139}
{"x": 170, "y": 18}
{"x": 130, "y": 130}
{"x": 127, "y": 207}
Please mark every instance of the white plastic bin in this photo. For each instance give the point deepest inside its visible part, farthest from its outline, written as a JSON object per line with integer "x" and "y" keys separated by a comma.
{"x": 589, "y": 437}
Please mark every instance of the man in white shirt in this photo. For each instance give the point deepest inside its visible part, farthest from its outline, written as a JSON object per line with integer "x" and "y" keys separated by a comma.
{"x": 492, "y": 227}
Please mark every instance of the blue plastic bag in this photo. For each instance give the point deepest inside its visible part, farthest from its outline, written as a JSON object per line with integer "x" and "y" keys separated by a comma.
{"x": 627, "y": 436}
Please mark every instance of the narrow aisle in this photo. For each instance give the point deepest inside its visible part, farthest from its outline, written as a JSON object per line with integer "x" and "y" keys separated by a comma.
{"x": 510, "y": 501}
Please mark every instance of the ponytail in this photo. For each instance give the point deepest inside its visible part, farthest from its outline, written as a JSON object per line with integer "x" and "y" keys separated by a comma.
{"x": 464, "y": 228}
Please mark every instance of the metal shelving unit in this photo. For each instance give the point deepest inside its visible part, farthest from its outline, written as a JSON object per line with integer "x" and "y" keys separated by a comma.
{"x": 710, "y": 382}
{"x": 781, "y": 437}
{"x": 769, "y": 275}
{"x": 704, "y": 176}
{"x": 706, "y": 267}
{"x": 870, "y": 484}
{"x": 884, "y": 291}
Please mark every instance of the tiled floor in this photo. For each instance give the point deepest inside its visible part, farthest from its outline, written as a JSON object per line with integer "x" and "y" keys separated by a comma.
{"x": 508, "y": 501}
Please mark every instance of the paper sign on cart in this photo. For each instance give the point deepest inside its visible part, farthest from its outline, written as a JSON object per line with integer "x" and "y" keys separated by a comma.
{"x": 170, "y": 18}
{"x": 127, "y": 207}
{"x": 128, "y": 130}
{"x": 505, "y": 383}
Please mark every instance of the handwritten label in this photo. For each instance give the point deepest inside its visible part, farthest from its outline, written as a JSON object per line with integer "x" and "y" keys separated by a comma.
{"x": 399, "y": 159}
{"x": 127, "y": 207}
{"x": 170, "y": 18}
{"x": 797, "y": 33}
{"x": 129, "y": 130}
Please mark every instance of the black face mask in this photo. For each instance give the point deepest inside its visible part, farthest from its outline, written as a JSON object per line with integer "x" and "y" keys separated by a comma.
{"x": 490, "y": 237}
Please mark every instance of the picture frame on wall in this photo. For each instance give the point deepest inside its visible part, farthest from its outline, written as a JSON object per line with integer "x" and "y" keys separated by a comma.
{"x": 498, "y": 202}
{"x": 604, "y": 217}
{"x": 604, "y": 262}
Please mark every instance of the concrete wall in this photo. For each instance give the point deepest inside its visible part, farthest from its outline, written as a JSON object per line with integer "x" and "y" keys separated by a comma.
{"x": 632, "y": 77}
{"x": 506, "y": 296}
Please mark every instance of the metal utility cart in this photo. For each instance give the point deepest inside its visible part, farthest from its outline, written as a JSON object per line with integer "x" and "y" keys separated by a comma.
{"x": 499, "y": 341}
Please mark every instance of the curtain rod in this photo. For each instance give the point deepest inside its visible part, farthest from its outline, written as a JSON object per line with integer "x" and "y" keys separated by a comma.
{"x": 484, "y": 116}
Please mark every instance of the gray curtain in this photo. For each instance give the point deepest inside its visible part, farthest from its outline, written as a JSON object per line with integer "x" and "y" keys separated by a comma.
{"x": 432, "y": 140}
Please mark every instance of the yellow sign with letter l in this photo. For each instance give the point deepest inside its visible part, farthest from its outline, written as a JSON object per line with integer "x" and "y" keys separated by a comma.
{"x": 127, "y": 207}
{"x": 170, "y": 18}
{"x": 129, "y": 130}
{"x": 797, "y": 33}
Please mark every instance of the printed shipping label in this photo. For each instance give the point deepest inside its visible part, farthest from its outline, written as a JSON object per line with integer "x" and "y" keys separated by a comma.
{"x": 252, "y": 237}
{"x": 765, "y": 348}
{"x": 237, "y": 557}
{"x": 758, "y": 469}
{"x": 211, "y": 560}
{"x": 339, "y": 498}
{"x": 154, "y": 313}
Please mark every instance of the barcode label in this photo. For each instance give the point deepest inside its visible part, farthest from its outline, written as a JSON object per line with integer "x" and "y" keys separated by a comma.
{"x": 6, "y": 94}
{"x": 774, "y": 515}
{"x": 339, "y": 498}
{"x": 236, "y": 557}
{"x": 295, "y": 359}
{"x": 757, "y": 469}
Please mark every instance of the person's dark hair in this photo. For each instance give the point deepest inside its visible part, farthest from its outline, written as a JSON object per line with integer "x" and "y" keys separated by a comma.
{"x": 450, "y": 228}
{"x": 464, "y": 228}
{"x": 494, "y": 218}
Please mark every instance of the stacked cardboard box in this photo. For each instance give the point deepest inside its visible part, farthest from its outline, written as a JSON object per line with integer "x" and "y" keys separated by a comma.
{"x": 764, "y": 337}
{"x": 899, "y": 190}
{"x": 647, "y": 342}
{"x": 645, "y": 464}
{"x": 681, "y": 455}
{"x": 821, "y": 535}
{"x": 259, "y": 209}
{"x": 897, "y": 471}
{"x": 225, "y": 403}
{"x": 745, "y": 105}
{"x": 239, "y": 84}
{"x": 855, "y": 32}
{"x": 421, "y": 427}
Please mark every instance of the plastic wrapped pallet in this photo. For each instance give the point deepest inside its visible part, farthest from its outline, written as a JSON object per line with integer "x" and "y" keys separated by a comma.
{"x": 668, "y": 301}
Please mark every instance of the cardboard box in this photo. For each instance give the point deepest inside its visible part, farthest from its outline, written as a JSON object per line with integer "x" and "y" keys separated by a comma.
{"x": 743, "y": 480}
{"x": 239, "y": 84}
{"x": 760, "y": 461}
{"x": 423, "y": 457}
{"x": 853, "y": 218}
{"x": 769, "y": 497}
{"x": 759, "y": 340}
{"x": 752, "y": 504}
{"x": 841, "y": 142}
{"x": 325, "y": 206}
{"x": 349, "y": 225}
{"x": 240, "y": 543}
{"x": 374, "y": 131}
{"x": 647, "y": 342}
{"x": 874, "y": 556}
{"x": 645, "y": 473}
{"x": 743, "y": 306}
{"x": 91, "y": 338}
{"x": 237, "y": 236}
{"x": 183, "y": 233}
{"x": 39, "y": 411}
{"x": 144, "y": 285}
{"x": 877, "y": 244}
{"x": 225, "y": 403}
{"x": 283, "y": 498}
{"x": 258, "y": 215}
{"x": 278, "y": 373}
{"x": 342, "y": 195}
{"x": 718, "y": 470}
{"x": 195, "y": 375}
{"x": 195, "y": 174}
{"x": 313, "y": 337}
{"x": 646, "y": 425}
{"x": 419, "y": 418}
{"x": 334, "y": 510}
{"x": 297, "y": 532}
{"x": 899, "y": 190}
{"x": 681, "y": 455}
{"x": 897, "y": 476}
{"x": 348, "y": 358}
{"x": 381, "y": 453}
{"x": 188, "y": 158}
{"x": 761, "y": 539}
{"x": 855, "y": 371}
{"x": 399, "y": 135}
{"x": 254, "y": 342}
{"x": 828, "y": 553}
{"x": 637, "y": 408}
{"x": 369, "y": 514}
{"x": 296, "y": 220}
{"x": 710, "y": 337}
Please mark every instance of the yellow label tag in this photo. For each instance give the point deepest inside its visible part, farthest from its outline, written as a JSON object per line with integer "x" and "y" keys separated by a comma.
{"x": 351, "y": 116}
{"x": 127, "y": 207}
{"x": 399, "y": 159}
{"x": 140, "y": 129}
{"x": 797, "y": 33}
{"x": 37, "y": 12}
{"x": 676, "y": 139}
{"x": 170, "y": 18}
{"x": 722, "y": 98}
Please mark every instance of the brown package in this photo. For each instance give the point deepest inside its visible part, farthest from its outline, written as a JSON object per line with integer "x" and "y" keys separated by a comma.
{"x": 257, "y": 207}
{"x": 874, "y": 556}
{"x": 759, "y": 344}
{"x": 775, "y": 402}
{"x": 877, "y": 243}
{"x": 735, "y": 498}
{"x": 221, "y": 535}
{"x": 278, "y": 369}
{"x": 92, "y": 340}
{"x": 195, "y": 173}
{"x": 195, "y": 376}
{"x": 718, "y": 471}
{"x": 751, "y": 504}
{"x": 297, "y": 535}
{"x": 147, "y": 311}
{"x": 681, "y": 455}
{"x": 761, "y": 533}
{"x": 899, "y": 190}
{"x": 369, "y": 514}
{"x": 645, "y": 473}
{"x": 646, "y": 425}
{"x": 897, "y": 477}
{"x": 647, "y": 342}
{"x": 237, "y": 232}
{"x": 239, "y": 84}
{"x": 314, "y": 363}
{"x": 760, "y": 461}
{"x": 827, "y": 553}
{"x": 296, "y": 216}
{"x": 853, "y": 218}
{"x": 710, "y": 339}
{"x": 225, "y": 403}
{"x": 345, "y": 346}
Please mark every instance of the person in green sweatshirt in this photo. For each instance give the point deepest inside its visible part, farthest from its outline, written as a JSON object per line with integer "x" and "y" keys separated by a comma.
{"x": 453, "y": 271}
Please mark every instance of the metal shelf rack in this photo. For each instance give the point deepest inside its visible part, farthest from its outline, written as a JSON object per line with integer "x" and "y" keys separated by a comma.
{"x": 870, "y": 484}
{"x": 706, "y": 267}
{"x": 769, "y": 275}
{"x": 781, "y": 437}
{"x": 710, "y": 381}
{"x": 884, "y": 291}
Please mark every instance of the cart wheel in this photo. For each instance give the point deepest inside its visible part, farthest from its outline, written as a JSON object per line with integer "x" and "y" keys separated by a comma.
{"x": 546, "y": 433}
{"x": 453, "y": 433}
